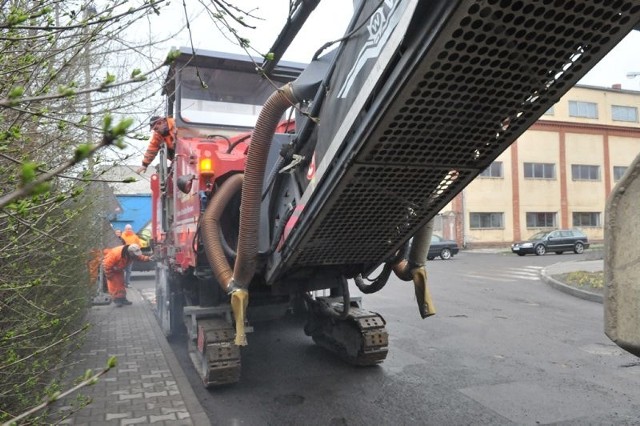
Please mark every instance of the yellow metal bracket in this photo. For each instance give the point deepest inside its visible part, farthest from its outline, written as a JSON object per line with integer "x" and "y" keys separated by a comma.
{"x": 423, "y": 295}
{"x": 239, "y": 302}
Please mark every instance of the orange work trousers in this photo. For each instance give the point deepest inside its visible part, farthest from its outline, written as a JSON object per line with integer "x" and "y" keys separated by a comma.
{"x": 115, "y": 284}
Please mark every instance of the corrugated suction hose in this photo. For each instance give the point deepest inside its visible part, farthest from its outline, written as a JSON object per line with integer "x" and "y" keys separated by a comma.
{"x": 210, "y": 230}
{"x": 268, "y": 120}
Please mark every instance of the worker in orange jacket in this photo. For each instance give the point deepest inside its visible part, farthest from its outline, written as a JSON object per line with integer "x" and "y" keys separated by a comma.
{"x": 114, "y": 264}
{"x": 129, "y": 237}
{"x": 163, "y": 131}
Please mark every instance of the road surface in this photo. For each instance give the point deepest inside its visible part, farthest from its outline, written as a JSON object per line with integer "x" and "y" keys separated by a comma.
{"x": 504, "y": 348}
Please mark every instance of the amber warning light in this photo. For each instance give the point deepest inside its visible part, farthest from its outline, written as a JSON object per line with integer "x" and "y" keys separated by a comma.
{"x": 206, "y": 166}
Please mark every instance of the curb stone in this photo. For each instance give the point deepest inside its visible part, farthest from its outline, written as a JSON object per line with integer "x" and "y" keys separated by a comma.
{"x": 583, "y": 294}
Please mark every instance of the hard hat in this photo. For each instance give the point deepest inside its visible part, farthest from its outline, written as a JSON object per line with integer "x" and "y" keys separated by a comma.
{"x": 128, "y": 227}
{"x": 153, "y": 120}
{"x": 134, "y": 250}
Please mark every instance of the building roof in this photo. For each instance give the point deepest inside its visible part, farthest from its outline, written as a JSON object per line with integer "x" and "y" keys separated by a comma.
{"x": 135, "y": 211}
{"x": 115, "y": 175}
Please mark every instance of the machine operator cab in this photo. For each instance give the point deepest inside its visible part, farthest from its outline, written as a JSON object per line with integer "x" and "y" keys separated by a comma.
{"x": 222, "y": 93}
{"x": 215, "y": 99}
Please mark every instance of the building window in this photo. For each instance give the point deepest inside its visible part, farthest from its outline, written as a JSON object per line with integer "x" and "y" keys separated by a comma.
{"x": 494, "y": 170}
{"x": 585, "y": 172}
{"x": 485, "y": 220}
{"x": 586, "y": 219}
{"x": 624, "y": 113}
{"x": 540, "y": 170}
{"x": 549, "y": 111}
{"x": 618, "y": 172}
{"x": 541, "y": 220}
{"x": 583, "y": 109}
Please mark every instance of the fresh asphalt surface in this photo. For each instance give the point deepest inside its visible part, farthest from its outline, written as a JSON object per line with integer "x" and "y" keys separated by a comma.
{"x": 504, "y": 348}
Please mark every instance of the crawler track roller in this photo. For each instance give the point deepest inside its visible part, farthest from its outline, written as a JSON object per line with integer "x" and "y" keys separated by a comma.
{"x": 217, "y": 358}
{"x": 360, "y": 339}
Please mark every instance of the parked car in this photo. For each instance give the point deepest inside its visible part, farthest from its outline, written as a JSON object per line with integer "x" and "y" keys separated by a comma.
{"x": 446, "y": 249}
{"x": 557, "y": 241}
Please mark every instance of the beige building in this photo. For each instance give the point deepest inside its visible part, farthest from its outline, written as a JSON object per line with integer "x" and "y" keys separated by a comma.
{"x": 558, "y": 174}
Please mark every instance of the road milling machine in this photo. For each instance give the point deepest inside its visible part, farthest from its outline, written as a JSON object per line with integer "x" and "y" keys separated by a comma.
{"x": 289, "y": 180}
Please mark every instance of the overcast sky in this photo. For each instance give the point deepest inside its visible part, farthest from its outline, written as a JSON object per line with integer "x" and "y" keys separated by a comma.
{"x": 328, "y": 22}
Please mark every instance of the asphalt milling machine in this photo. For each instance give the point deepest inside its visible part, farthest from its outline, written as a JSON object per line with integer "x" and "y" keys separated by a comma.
{"x": 287, "y": 180}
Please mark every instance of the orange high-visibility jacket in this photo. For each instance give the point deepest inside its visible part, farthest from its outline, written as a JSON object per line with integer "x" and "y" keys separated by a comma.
{"x": 130, "y": 237}
{"x": 115, "y": 260}
{"x": 157, "y": 140}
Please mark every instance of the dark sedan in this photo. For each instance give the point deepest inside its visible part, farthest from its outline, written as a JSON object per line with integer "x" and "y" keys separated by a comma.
{"x": 557, "y": 241}
{"x": 441, "y": 247}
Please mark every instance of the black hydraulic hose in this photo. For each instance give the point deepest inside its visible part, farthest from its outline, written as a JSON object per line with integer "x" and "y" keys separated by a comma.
{"x": 318, "y": 101}
{"x": 236, "y": 143}
{"x": 381, "y": 280}
{"x": 351, "y": 32}
{"x": 221, "y": 137}
{"x": 327, "y": 309}
{"x": 378, "y": 283}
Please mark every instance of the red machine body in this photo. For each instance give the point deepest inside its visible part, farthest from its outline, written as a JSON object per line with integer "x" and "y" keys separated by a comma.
{"x": 202, "y": 161}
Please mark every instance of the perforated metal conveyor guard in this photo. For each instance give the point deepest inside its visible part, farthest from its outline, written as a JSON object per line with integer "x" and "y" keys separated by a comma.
{"x": 491, "y": 71}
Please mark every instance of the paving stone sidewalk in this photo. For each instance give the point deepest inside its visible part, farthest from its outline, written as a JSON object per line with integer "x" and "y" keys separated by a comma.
{"x": 147, "y": 386}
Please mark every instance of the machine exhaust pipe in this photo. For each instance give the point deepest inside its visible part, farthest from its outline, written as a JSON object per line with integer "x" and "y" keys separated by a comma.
{"x": 413, "y": 269}
{"x": 417, "y": 254}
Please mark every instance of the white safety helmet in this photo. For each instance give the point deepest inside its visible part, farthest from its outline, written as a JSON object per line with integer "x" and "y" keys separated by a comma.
{"x": 134, "y": 250}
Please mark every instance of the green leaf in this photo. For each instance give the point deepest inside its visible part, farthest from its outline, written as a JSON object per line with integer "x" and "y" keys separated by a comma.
{"x": 16, "y": 92}
{"x": 106, "y": 123}
{"x": 82, "y": 151}
{"x": 172, "y": 56}
{"x": 112, "y": 362}
{"x": 120, "y": 129}
{"x": 87, "y": 374}
{"x": 16, "y": 17}
{"x": 41, "y": 188}
{"x": 28, "y": 173}
{"x": 66, "y": 91}
{"x": 109, "y": 79}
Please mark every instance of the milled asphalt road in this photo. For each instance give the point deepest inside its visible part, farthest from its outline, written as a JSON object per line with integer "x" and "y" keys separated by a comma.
{"x": 504, "y": 348}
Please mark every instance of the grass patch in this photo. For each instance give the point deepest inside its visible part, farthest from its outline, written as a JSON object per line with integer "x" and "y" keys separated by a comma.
{"x": 590, "y": 281}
